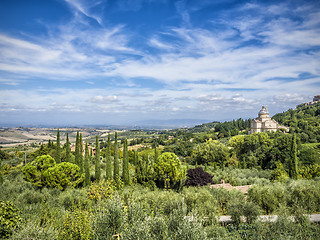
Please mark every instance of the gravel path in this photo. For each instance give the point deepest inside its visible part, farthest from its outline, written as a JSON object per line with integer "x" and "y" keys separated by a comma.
{"x": 271, "y": 218}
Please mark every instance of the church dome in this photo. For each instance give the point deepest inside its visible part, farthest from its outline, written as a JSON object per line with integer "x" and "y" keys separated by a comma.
{"x": 264, "y": 110}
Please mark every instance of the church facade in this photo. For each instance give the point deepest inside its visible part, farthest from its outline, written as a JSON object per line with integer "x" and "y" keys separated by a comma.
{"x": 263, "y": 123}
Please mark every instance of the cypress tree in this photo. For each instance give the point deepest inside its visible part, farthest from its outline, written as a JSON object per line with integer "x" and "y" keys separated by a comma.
{"x": 86, "y": 166}
{"x": 293, "y": 172}
{"x": 108, "y": 163}
{"x": 58, "y": 149}
{"x": 77, "y": 149}
{"x": 155, "y": 154}
{"x": 68, "y": 151}
{"x": 1, "y": 177}
{"x": 125, "y": 162}
{"x": 116, "y": 159}
{"x": 80, "y": 154}
{"x": 97, "y": 160}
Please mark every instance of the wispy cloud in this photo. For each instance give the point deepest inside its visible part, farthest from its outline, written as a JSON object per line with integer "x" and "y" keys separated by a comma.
{"x": 266, "y": 53}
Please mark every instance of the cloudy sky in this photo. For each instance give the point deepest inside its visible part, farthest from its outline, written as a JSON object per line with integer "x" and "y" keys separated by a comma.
{"x": 125, "y": 61}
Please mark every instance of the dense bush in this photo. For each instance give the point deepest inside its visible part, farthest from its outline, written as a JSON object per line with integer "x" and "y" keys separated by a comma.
{"x": 34, "y": 170}
{"x": 198, "y": 177}
{"x": 201, "y": 201}
{"x": 33, "y": 230}
{"x": 9, "y": 219}
{"x": 268, "y": 197}
{"x": 109, "y": 219}
{"x": 63, "y": 175}
{"x": 76, "y": 225}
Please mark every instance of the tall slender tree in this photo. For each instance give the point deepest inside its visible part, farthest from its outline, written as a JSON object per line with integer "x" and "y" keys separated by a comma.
{"x": 293, "y": 172}
{"x": 81, "y": 153}
{"x": 125, "y": 162}
{"x": 155, "y": 154}
{"x": 1, "y": 177}
{"x": 97, "y": 160}
{"x": 77, "y": 150}
{"x": 108, "y": 160}
{"x": 68, "y": 150}
{"x": 116, "y": 169}
{"x": 86, "y": 166}
{"x": 58, "y": 148}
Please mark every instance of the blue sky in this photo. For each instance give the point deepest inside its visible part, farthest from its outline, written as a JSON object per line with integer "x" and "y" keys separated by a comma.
{"x": 69, "y": 62}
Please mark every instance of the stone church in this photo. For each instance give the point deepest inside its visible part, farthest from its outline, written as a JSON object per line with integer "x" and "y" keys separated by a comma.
{"x": 263, "y": 123}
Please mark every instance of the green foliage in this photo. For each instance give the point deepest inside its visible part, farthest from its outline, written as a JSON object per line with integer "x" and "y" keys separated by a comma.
{"x": 279, "y": 173}
{"x": 86, "y": 166}
{"x": 9, "y": 219}
{"x": 80, "y": 154}
{"x": 68, "y": 150}
{"x": 168, "y": 169}
{"x": 97, "y": 168}
{"x": 77, "y": 149}
{"x": 76, "y": 225}
{"x": 305, "y": 194}
{"x": 116, "y": 169}
{"x": 210, "y": 152}
{"x": 63, "y": 175}
{"x": 33, "y": 230}
{"x": 224, "y": 197}
{"x": 108, "y": 160}
{"x": 304, "y": 121}
{"x": 34, "y": 170}
{"x": 101, "y": 190}
{"x": 293, "y": 166}
{"x": 1, "y": 177}
{"x": 58, "y": 148}
{"x": 144, "y": 168}
{"x": 268, "y": 197}
{"x": 125, "y": 168}
{"x": 310, "y": 171}
{"x": 200, "y": 200}
{"x": 71, "y": 197}
{"x": 109, "y": 219}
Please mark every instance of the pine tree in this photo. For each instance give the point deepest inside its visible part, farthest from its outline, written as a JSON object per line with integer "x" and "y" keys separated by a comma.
{"x": 293, "y": 172}
{"x": 58, "y": 148}
{"x": 97, "y": 160}
{"x": 108, "y": 160}
{"x": 68, "y": 151}
{"x": 125, "y": 162}
{"x": 77, "y": 152}
{"x": 80, "y": 154}
{"x": 86, "y": 166}
{"x": 116, "y": 159}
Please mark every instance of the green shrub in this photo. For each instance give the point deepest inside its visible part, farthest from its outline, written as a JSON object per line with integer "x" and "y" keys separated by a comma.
{"x": 158, "y": 228}
{"x": 9, "y": 219}
{"x": 76, "y": 225}
{"x": 200, "y": 200}
{"x": 224, "y": 197}
{"x": 30, "y": 196}
{"x": 236, "y": 210}
{"x": 251, "y": 211}
{"x": 63, "y": 175}
{"x": 73, "y": 197}
{"x": 108, "y": 219}
{"x": 306, "y": 194}
{"x": 158, "y": 201}
{"x": 268, "y": 197}
{"x": 181, "y": 226}
{"x": 33, "y": 230}
{"x": 34, "y": 170}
